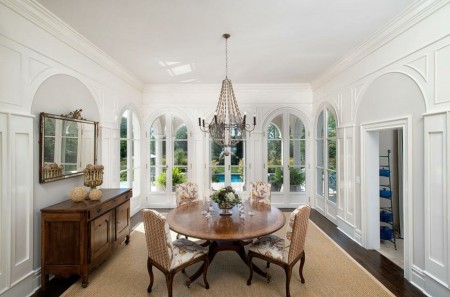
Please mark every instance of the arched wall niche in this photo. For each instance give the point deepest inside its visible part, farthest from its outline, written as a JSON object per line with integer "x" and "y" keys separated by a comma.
{"x": 57, "y": 94}
{"x": 390, "y": 95}
{"x": 62, "y": 93}
{"x": 389, "y": 98}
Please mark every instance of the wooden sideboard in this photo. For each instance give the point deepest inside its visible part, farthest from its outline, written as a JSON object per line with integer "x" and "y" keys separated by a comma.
{"x": 76, "y": 237}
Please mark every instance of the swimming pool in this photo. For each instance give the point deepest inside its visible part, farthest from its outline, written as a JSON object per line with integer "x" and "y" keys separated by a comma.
{"x": 235, "y": 178}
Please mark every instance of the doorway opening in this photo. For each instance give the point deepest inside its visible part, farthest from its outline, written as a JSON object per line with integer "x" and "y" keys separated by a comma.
{"x": 391, "y": 195}
{"x": 371, "y": 149}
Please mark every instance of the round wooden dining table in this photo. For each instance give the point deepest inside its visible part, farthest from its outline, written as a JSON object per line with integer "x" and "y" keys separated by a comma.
{"x": 225, "y": 233}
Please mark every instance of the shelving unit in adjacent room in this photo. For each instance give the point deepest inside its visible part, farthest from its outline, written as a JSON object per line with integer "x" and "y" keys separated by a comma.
{"x": 387, "y": 231}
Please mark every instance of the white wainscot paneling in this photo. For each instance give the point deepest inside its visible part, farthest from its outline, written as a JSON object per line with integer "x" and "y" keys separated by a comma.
{"x": 10, "y": 73}
{"x": 442, "y": 74}
{"x": 21, "y": 156}
{"x": 346, "y": 194}
{"x": 3, "y": 207}
{"x": 341, "y": 174}
{"x": 436, "y": 207}
{"x": 350, "y": 177}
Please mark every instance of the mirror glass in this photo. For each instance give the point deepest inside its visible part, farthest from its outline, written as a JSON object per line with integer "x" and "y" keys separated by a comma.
{"x": 67, "y": 145}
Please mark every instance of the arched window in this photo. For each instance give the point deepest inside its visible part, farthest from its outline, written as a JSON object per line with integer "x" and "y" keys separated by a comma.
{"x": 326, "y": 156}
{"x": 286, "y": 153}
{"x": 130, "y": 152}
{"x": 168, "y": 153}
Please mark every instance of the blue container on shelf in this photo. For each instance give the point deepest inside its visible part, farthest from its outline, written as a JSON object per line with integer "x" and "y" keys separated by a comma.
{"x": 386, "y": 216}
{"x": 385, "y": 193}
{"x": 384, "y": 172}
{"x": 386, "y": 233}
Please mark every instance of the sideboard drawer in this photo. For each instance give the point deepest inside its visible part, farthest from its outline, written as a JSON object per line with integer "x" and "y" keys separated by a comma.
{"x": 101, "y": 208}
{"x": 104, "y": 207}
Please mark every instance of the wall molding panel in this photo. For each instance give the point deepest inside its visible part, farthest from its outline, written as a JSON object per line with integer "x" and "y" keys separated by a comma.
{"x": 10, "y": 75}
{"x": 436, "y": 198}
{"x": 16, "y": 205}
{"x": 4, "y": 204}
{"x": 442, "y": 75}
{"x": 420, "y": 65}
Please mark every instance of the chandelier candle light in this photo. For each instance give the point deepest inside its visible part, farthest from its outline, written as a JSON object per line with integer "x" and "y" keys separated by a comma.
{"x": 228, "y": 125}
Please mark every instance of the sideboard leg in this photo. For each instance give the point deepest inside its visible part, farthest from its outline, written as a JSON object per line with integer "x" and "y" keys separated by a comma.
{"x": 44, "y": 281}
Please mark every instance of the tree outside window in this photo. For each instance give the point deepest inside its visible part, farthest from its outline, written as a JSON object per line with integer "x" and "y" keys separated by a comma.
{"x": 326, "y": 156}
{"x": 130, "y": 152}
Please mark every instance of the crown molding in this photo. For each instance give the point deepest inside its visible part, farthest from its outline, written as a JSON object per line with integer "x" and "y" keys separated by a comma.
{"x": 215, "y": 88}
{"x": 410, "y": 17}
{"x": 43, "y": 18}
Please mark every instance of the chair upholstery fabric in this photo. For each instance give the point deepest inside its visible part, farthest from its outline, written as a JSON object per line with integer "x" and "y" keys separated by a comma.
{"x": 170, "y": 257}
{"x": 185, "y": 251}
{"x": 186, "y": 193}
{"x": 284, "y": 252}
{"x": 283, "y": 249}
{"x": 260, "y": 192}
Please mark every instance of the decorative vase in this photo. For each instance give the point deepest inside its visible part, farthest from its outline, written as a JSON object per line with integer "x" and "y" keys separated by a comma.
{"x": 78, "y": 194}
{"x": 95, "y": 194}
{"x": 225, "y": 210}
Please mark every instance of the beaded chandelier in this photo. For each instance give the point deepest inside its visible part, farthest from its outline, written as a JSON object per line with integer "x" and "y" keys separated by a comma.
{"x": 228, "y": 125}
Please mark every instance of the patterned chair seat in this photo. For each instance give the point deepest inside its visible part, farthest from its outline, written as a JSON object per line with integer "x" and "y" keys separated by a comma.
{"x": 185, "y": 250}
{"x": 271, "y": 246}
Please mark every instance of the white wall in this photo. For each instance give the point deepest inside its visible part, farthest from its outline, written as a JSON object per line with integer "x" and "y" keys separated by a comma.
{"x": 401, "y": 73}
{"x": 47, "y": 67}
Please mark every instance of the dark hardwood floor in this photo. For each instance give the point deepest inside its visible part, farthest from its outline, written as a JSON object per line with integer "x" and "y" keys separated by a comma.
{"x": 389, "y": 274}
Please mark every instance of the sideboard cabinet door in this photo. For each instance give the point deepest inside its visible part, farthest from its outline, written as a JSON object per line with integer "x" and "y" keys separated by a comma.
{"x": 123, "y": 221}
{"x": 101, "y": 236}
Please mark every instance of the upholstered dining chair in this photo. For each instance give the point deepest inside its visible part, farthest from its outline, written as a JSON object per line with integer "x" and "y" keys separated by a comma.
{"x": 260, "y": 192}
{"x": 170, "y": 257}
{"x": 286, "y": 251}
{"x": 186, "y": 193}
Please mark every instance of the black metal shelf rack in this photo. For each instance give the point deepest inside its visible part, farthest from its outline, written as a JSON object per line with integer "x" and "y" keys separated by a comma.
{"x": 386, "y": 213}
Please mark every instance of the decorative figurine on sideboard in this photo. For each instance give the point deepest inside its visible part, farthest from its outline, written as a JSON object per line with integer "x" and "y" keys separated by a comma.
{"x": 93, "y": 177}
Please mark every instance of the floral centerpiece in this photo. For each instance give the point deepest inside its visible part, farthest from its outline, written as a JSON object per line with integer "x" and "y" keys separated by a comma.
{"x": 225, "y": 198}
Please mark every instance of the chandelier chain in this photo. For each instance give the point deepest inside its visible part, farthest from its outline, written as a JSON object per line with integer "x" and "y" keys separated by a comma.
{"x": 228, "y": 126}
{"x": 226, "y": 57}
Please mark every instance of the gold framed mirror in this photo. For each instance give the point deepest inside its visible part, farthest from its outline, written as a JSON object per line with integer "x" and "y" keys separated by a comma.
{"x": 67, "y": 143}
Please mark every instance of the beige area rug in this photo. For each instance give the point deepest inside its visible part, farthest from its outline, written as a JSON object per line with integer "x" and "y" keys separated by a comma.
{"x": 328, "y": 271}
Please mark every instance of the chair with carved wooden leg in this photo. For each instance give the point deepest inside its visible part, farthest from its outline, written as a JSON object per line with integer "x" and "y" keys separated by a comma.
{"x": 170, "y": 257}
{"x": 285, "y": 252}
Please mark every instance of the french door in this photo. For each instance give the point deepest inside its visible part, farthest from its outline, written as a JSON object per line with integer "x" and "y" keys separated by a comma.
{"x": 286, "y": 159}
{"x": 228, "y": 167}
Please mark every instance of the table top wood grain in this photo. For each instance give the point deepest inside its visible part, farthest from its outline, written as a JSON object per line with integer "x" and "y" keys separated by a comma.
{"x": 188, "y": 220}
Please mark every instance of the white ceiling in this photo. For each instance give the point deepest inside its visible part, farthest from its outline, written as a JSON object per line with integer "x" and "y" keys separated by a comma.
{"x": 180, "y": 41}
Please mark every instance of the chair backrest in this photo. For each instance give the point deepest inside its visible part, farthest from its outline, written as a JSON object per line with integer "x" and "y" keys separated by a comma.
{"x": 260, "y": 192}
{"x": 296, "y": 232}
{"x": 157, "y": 235}
{"x": 186, "y": 193}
